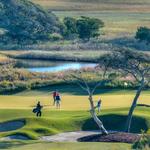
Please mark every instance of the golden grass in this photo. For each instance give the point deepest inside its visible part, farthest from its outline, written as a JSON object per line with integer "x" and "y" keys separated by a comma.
{"x": 70, "y": 102}
{"x": 100, "y": 5}
{"x": 116, "y": 23}
{"x": 107, "y": 10}
{"x": 4, "y": 59}
{"x": 47, "y": 55}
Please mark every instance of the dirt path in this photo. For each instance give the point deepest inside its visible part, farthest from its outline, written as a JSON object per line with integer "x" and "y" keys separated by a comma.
{"x": 68, "y": 136}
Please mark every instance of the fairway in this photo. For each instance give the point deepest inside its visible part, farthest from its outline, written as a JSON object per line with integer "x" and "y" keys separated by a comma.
{"x": 73, "y": 98}
{"x": 69, "y": 102}
{"x": 68, "y": 146}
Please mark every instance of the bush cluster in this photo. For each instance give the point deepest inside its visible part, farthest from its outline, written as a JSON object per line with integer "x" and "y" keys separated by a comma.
{"x": 143, "y": 34}
{"x": 83, "y": 27}
{"x": 143, "y": 143}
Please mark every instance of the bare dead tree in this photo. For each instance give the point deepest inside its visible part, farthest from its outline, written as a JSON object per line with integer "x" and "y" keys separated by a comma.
{"x": 80, "y": 80}
{"x": 130, "y": 63}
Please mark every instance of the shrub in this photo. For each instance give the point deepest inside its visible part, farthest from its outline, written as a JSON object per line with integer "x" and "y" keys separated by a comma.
{"x": 70, "y": 31}
{"x": 83, "y": 27}
{"x": 5, "y": 84}
{"x": 55, "y": 37}
{"x": 88, "y": 27}
{"x": 143, "y": 34}
{"x": 113, "y": 75}
{"x": 143, "y": 143}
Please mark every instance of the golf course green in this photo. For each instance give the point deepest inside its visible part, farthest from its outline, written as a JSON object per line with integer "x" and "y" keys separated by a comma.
{"x": 73, "y": 116}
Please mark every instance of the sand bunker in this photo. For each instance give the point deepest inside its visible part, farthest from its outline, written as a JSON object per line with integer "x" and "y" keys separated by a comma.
{"x": 68, "y": 136}
{"x": 14, "y": 137}
{"x": 11, "y": 125}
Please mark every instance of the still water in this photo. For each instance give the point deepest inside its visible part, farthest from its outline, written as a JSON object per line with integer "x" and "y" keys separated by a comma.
{"x": 51, "y": 66}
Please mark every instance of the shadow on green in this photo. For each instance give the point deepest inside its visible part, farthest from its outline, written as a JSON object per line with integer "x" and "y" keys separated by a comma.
{"x": 114, "y": 122}
{"x": 9, "y": 144}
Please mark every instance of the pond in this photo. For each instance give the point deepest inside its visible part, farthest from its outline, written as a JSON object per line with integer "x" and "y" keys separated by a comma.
{"x": 51, "y": 66}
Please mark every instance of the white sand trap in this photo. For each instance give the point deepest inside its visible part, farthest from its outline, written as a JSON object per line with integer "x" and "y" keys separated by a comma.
{"x": 11, "y": 125}
{"x": 68, "y": 136}
{"x": 14, "y": 137}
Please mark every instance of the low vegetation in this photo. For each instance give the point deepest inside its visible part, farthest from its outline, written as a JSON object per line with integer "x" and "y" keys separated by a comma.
{"x": 4, "y": 60}
{"x": 15, "y": 80}
{"x": 91, "y": 56}
{"x": 143, "y": 143}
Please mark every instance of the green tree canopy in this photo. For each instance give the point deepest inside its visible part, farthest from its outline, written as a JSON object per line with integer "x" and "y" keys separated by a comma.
{"x": 89, "y": 27}
{"x": 130, "y": 63}
{"x": 70, "y": 24}
{"x": 84, "y": 27}
{"x": 143, "y": 34}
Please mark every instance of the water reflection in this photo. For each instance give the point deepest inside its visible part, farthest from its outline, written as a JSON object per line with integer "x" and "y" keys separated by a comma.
{"x": 51, "y": 66}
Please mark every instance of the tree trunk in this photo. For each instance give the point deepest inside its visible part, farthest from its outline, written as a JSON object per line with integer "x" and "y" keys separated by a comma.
{"x": 134, "y": 103}
{"x": 96, "y": 119}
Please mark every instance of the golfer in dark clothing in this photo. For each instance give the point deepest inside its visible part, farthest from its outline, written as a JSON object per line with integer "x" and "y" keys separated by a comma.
{"x": 54, "y": 97}
{"x": 98, "y": 105}
{"x": 58, "y": 99}
{"x": 38, "y": 110}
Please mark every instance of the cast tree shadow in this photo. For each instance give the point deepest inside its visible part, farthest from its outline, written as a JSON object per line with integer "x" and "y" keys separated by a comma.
{"x": 114, "y": 122}
{"x": 63, "y": 89}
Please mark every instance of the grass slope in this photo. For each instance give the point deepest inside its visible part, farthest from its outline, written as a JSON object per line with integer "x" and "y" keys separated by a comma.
{"x": 63, "y": 146}
{"x": 53, "y": 122}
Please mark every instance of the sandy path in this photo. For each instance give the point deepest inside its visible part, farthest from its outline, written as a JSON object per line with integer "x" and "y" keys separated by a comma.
{"x": 68, "y": 136}
{"x": 61, "y": 137}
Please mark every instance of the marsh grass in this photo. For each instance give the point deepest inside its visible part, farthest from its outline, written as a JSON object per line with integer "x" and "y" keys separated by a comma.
{"x": 91, "y": 56}
{"x": 4, "y": 59}
{"x": 117, "y": 23}
{"x": 100, "y": 5}
{"x": 121, "y": 17}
